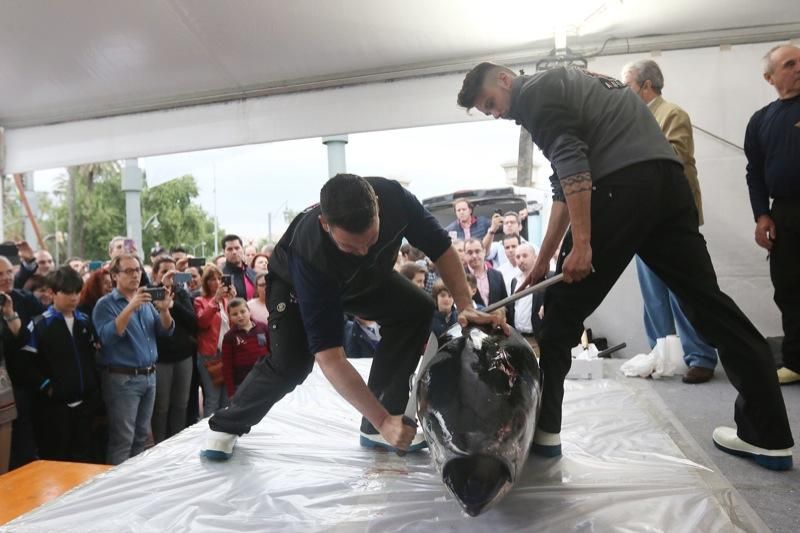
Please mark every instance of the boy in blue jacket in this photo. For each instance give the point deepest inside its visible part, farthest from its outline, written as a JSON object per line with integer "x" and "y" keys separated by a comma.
{"x": 62, "y": 368}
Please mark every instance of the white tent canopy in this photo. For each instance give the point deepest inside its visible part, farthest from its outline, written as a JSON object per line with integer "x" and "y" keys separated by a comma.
{"x": 86, "y": 80}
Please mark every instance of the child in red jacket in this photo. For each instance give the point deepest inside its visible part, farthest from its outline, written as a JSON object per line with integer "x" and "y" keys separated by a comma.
{"x": 242, "y": 346}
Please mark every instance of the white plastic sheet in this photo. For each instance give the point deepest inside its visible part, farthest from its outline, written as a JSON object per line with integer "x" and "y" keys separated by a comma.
{"x": 627, "y": 466}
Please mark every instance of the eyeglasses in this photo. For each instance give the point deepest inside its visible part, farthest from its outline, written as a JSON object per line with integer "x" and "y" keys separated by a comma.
{"x": 131, "y": 271}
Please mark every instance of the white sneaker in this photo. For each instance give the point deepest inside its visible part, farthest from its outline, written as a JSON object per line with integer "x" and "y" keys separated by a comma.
{"x": 546, "y": 444}
{"x": 376, "y": 440}
{"x": 728, "y": 441}
{"x": 219, "y": 446}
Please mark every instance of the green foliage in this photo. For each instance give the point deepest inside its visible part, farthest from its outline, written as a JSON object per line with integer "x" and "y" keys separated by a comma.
{"x": 180, "y": 220}
{"x": 100, "y": 212}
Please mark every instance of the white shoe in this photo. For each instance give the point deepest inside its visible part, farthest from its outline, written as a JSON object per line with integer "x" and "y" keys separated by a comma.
{"x": 376, "y": 440}
{"x": 219, "y": 446}
{"x": 727, "y": 440}
{"x": 546, "y": 444}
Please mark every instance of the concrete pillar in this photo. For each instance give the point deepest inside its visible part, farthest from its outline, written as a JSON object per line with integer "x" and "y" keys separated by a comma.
{"x": 337, "y": 162}
{"x": 132, "y": 185}
{"x": 28, "y": 231}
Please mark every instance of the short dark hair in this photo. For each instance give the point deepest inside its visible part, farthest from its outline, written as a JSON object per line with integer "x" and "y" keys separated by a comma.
{"x": 160, "y": 261}
{"x": 177, "y": 250}
{"x": 439, "y": 287}
{"x": 230, "y": 237}
{"x": 36, "y": 282}
{"x": 512, "y": 236}
{"x": 409, "y": 270}
{"x": 348, "y": 202}
{"x": 113, "y": 267}
{"x": 472, "y": 281}
{"x": 65, "y": 280}
{"x": 473, "y": 83}
{"x": 237, "y": 302}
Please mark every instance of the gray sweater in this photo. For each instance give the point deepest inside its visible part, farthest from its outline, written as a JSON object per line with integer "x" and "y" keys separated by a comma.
{"x": 586, "y": 122}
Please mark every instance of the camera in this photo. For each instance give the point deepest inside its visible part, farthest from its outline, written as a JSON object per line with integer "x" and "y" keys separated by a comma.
{"x": 197, "y": 262}
{"x": 156, "y": 293}
{"x": 227, "y": 280}
{"x": 3, "y": 299}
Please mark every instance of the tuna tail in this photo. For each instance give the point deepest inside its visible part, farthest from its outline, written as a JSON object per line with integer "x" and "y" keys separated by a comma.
{"x": 476, "y": 481}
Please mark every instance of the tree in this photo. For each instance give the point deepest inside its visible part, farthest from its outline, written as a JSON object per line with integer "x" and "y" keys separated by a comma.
{"x": 180, "y": 220}
{"x": 99, "y": 211}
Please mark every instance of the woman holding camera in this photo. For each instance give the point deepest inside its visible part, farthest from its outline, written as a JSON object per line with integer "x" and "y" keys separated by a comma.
{"x": 211, "y": 308}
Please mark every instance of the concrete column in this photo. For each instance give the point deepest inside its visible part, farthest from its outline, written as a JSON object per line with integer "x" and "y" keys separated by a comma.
{"x": 28, "y": 231}
{"x": 337, "y": 162}
{"x": 132, "y": 185}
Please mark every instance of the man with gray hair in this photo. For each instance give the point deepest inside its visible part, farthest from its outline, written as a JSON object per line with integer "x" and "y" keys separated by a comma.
{"x": 663, "y": 315}
{"x": 772, "y": 147}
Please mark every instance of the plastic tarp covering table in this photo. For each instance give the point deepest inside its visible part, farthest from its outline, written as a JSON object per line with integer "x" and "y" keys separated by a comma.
{"x": 626, "y": 466}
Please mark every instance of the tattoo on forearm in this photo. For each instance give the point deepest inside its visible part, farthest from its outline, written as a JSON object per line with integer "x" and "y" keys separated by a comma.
{"x": 576, "y": 183}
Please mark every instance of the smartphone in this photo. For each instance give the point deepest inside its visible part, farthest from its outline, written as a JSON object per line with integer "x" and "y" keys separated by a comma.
{"x": 156, "y": 293}
{"x": 10, "y": 252}
{"x": 227, "y": 280}
{"x": 129, "y": 245}
{"x": 95, "y": 265}
{"x": 197, "y": 262}
{"x": 181, "y": 278}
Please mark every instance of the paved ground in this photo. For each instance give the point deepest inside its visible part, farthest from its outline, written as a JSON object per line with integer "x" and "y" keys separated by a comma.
{"x": 775, "y": 496}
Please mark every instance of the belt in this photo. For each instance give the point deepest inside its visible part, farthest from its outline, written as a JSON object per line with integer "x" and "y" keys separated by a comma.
{"x": 132, "y": 371}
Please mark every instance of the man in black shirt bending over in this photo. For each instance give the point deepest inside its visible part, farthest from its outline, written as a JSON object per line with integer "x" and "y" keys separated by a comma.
{"x": 338, "y": 257}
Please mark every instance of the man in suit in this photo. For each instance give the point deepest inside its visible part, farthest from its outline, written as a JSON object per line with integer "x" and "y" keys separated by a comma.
{"x": 242, "y": 276}
{"x": 491, "y": 287}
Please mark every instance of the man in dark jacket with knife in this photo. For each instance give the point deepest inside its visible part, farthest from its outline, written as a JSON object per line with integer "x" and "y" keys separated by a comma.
{"x": 338, "y": 257}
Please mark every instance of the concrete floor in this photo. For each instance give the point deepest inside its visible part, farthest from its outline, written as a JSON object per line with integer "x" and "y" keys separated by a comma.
{"x": 775, "y": 496}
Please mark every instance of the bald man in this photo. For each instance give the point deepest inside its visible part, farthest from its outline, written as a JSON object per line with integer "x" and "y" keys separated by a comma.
{"x": 772, "y": 146}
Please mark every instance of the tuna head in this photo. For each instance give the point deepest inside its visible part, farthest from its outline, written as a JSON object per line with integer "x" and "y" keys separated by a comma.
{"x": 478, "y": 402}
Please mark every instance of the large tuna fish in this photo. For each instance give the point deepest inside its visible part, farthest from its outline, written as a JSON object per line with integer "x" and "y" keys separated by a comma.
{"x": 478, "y": 402}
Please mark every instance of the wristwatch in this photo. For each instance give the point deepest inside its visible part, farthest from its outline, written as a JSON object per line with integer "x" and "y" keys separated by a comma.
{"x": 11, "y": 318}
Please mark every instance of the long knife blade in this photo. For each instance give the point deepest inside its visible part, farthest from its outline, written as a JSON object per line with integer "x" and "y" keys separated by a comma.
{"x": 410, "y": 414}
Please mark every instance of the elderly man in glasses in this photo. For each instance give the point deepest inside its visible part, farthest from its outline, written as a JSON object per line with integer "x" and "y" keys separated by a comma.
{"x": 127, "y": 322}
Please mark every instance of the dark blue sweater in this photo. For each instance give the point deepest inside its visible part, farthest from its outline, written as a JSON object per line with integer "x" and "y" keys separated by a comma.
{"x": 772, "y": 146}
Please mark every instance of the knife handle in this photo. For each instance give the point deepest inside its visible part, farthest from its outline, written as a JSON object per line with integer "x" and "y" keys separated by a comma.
{"x": 411, "y": 423}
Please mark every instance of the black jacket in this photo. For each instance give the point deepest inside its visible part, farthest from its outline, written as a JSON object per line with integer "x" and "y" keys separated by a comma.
{"x": 61, "y": 361}
{"x": 182, "y": 343}
{"x": 27, "y": 306}
{"x": 497, "y": 289}
{"x": 238, "y": 274}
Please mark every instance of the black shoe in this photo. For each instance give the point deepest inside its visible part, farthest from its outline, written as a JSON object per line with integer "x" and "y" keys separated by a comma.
{"x": 698, "y": 374}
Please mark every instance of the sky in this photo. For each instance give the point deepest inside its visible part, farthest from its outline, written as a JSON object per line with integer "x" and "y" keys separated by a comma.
{"x": 256, "y": 180}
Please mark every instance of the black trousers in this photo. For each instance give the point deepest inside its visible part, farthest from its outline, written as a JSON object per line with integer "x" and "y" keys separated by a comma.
{"x": 67, "y": 432}
{"x": 784, "y": 269}
{"x": 404, "y": 313}
{"x": 647, "y": 209}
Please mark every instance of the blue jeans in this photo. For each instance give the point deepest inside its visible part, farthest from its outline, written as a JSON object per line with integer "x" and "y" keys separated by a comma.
{"x": 663, "y": 316}
{"x": 129, "y": 404}
{"x": 214, "y": 397}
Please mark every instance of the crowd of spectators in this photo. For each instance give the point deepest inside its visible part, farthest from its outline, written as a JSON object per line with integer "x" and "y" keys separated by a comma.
{"x": 100, "y": 359}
